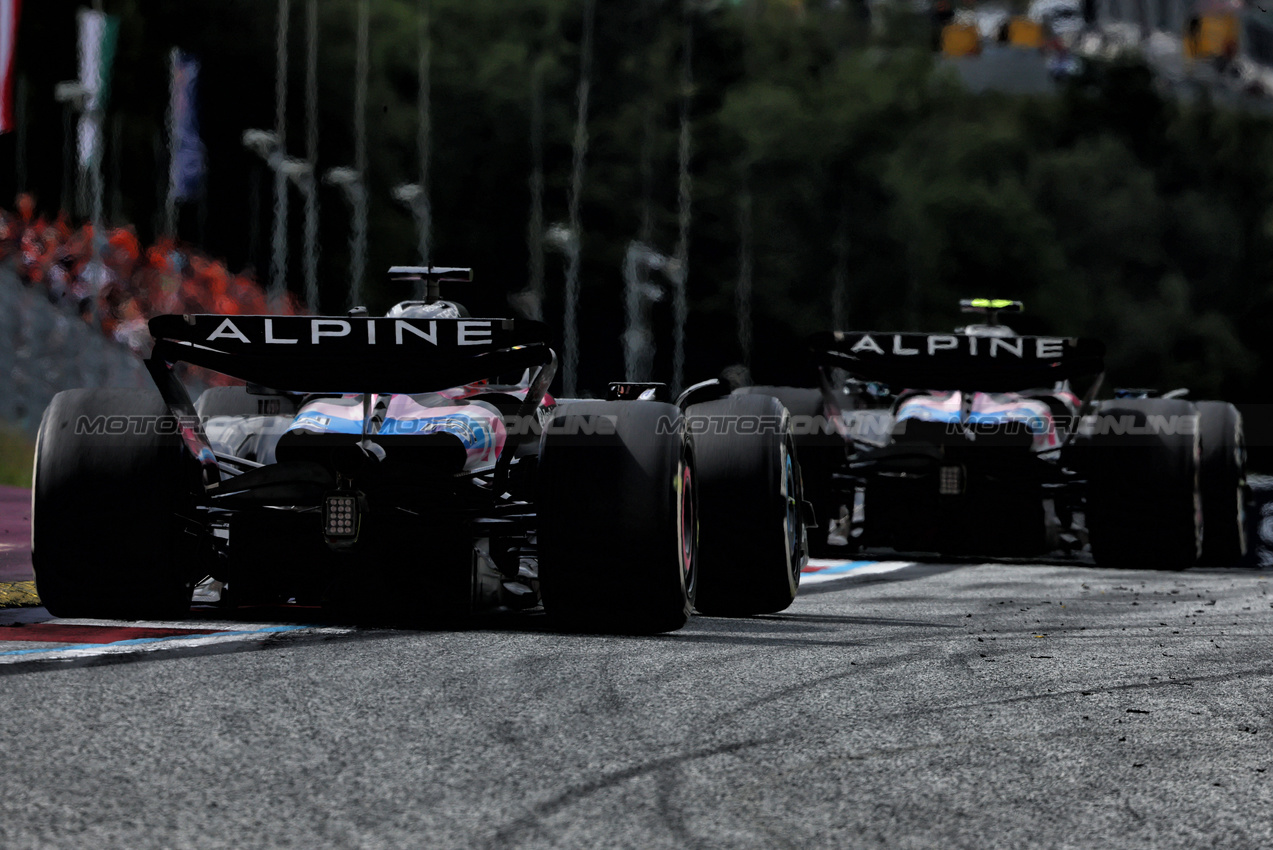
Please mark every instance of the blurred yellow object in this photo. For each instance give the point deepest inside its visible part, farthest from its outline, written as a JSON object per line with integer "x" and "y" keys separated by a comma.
{"x": 1215, "y": 35}
{"x": 960, "y": 40}
{"x": 1023, "y": 32}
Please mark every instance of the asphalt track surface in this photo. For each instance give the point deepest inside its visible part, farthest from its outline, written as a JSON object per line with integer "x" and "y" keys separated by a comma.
{"x": 936, "y": 705}
{"x": 893, "y": 705}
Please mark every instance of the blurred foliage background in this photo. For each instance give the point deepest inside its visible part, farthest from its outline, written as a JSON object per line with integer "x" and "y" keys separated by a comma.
{"x": 1110, "y": 209}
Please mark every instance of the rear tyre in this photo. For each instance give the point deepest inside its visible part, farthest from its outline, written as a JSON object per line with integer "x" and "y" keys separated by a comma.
{"x": 1143, "y": 508}
{"x": 617, "y": 528}
{"x": 752, "y": 542}
{"x": 106, "y": 538}
{"x": 820, "y": 451}
{"x": 1222, "y": 482}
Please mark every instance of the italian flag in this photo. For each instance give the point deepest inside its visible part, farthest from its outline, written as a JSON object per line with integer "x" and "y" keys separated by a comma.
{"x": 98, "y": 34}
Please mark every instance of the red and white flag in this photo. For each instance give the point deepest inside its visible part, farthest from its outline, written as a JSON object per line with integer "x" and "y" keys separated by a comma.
{"x": 9, "y": 11}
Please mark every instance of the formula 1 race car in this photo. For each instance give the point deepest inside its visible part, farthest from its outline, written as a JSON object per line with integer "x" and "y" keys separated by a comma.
{"x": 381, "y": 466}
{"x": 976, "y": 444}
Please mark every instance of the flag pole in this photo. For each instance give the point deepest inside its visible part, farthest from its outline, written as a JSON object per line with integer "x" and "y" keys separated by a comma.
{"x": 359, "y": 259}
{"x": 170, "y": 204}
{"x": 278, "y": 263}
{"x": 308, "y": 185}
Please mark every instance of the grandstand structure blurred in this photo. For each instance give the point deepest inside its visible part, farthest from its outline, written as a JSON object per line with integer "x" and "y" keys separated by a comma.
{"x": 1223, "y": 46}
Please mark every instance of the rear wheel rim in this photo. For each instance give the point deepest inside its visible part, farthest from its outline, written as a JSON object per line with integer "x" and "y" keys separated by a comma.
{"x": 1239, "y": 452}
{"x": 791, "y": 493}
{"x": 688, "y": 528}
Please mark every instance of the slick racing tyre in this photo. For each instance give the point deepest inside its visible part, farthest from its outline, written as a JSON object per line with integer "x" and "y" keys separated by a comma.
{"x": 820, "y": 451}
{"x": 616, "y": 517}
{"x": 1222, "y": 483}
{"x": 111, "y": 478}
{"x": 752, "y": 543}
{"x": 1143, "y": 507}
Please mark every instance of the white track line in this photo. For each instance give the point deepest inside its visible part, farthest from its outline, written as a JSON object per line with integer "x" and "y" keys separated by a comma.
{"x": 227, "y": 633}
{"x": 822, "y": 569}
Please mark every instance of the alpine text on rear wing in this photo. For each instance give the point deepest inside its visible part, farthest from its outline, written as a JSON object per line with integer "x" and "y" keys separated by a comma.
{"x": 352, "y": 353}
{"x": 959, "y": 361}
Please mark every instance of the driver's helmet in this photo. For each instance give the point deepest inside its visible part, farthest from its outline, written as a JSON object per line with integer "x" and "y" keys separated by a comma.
{"x": 425, "y": 310}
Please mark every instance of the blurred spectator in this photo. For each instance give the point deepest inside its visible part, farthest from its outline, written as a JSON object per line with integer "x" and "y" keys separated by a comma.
{"x": 132, "y": 283}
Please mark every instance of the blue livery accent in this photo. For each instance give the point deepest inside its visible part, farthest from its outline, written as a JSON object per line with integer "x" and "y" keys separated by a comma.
{"x": 313, "y": 421}
{"x": 473, "y": 432}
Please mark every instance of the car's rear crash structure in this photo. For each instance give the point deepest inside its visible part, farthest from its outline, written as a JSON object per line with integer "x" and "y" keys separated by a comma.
{"x": 975, "y": 444}
{"x": 377, "y": 465}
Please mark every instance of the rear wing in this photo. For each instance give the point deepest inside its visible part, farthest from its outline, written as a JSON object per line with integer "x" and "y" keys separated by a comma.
{"x": 958, "y": 361}
{"x": 341, "y": 354}
{"x": 439, "y": 273}
{"x": 351, "y": 354}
